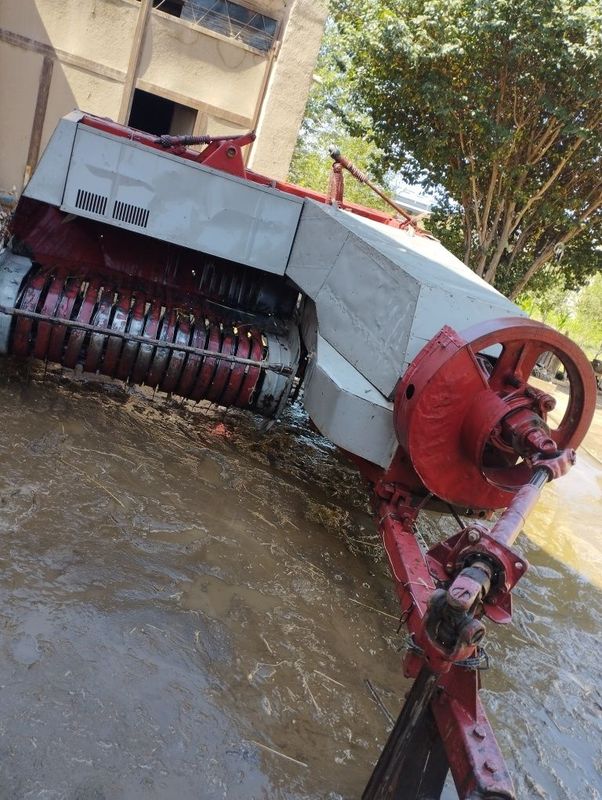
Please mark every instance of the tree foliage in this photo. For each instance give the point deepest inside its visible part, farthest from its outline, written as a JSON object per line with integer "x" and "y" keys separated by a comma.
{"x": 576, "y": 313}
{"x": 497, "y": 101}
{"x": 588, "y": 314}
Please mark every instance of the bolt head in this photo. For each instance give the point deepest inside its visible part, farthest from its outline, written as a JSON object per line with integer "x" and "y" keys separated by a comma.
{"x": 490, "y": 766}
{"x": 473, "y": 536}
{"x": 548, "y": 403}
{"x": 449, "y": 567}
{"x": 518, "y": 564}
{"x": 479, "y": 732}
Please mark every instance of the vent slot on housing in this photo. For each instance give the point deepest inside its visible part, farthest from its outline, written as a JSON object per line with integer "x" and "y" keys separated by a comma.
{"x": 91, "y": 202}
{"x": 131, "y": 214}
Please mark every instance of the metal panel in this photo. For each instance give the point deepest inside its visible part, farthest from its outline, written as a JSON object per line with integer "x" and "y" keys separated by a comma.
{"x": 318, "y": 242}
{"x": 180, "y": 201}
{"x": 381, "y": 293}
{"x": 365, "y": 302}
{"x": 346, "y": 408}
{"x": 461, "y": 311}
{"x": 365, "y": 309}
{"x": 48, "y": 180}
{"x": 423, "y": 258}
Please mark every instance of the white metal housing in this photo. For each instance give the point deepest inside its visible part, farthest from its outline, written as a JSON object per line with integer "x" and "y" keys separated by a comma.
{"x": 98, "y": 175}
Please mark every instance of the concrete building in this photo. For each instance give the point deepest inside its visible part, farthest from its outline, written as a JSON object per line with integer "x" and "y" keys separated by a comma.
{"x": 165, "y": 66}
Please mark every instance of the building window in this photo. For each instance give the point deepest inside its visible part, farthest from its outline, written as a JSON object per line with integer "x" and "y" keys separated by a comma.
{"x": 154, "y": 114}
{"x": 170, "y": 6}
{"x": 225, "y": 17}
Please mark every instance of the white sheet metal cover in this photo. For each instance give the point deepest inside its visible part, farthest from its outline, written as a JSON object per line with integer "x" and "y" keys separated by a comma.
{"x": 381, "y": 293}
{"x": 450, "y": 292}
{"x": 346, "y": 408}
{"x": 161, "y": 195}
{"x": 48, "y": 180}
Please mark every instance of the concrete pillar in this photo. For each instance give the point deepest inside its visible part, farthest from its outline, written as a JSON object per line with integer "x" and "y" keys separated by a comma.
{"x": 286, "y": 94}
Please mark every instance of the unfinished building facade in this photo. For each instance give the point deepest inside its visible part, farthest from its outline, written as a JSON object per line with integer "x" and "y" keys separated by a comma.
{"x": 164, "y": 66}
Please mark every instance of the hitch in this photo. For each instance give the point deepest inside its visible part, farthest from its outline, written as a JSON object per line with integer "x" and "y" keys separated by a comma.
{"x": 442, "y": 725}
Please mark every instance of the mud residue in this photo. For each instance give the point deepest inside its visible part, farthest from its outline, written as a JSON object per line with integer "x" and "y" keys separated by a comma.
{"x": 190, "y": 607}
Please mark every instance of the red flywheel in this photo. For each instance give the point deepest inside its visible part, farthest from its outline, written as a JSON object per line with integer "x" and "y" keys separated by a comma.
{"x": 453, "y": 405}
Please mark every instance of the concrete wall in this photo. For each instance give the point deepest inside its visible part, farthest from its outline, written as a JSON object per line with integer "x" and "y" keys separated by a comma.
{"x": 281, "y": 113}
{"x": 19, "y": 77}
{"x": 215, "y": 73}
{"x": 56, "y": 55}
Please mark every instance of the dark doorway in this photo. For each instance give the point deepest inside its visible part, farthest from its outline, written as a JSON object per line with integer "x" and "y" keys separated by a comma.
{"x": 157, "y": 115}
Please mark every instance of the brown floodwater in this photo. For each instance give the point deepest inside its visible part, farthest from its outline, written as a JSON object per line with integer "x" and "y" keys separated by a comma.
{"x": 190, "y": 607}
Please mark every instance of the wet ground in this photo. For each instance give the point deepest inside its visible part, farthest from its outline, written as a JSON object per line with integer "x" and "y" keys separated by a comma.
{"x": 190, "y": 608}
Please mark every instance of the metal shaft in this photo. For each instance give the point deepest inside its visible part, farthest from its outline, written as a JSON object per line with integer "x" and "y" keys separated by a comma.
{"x": 131, "y": 337}
{"x": 512, "y": 521}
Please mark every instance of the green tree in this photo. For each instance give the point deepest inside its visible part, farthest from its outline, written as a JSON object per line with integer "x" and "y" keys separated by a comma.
{"x": 551, "y": 302}
{"x": 497, "y": 101}
{"x": 588, "y": 315}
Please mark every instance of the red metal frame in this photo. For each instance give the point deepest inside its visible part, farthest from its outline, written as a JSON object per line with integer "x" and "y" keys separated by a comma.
{"x": 473, "y": 756}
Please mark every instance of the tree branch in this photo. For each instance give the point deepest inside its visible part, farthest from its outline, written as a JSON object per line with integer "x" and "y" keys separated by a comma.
{"x": 549, "y": 249}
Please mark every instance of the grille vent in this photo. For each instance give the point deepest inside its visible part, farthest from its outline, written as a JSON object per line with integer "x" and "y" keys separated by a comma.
{"x": 88, "y": 201}
{"x": 133, "y": 215}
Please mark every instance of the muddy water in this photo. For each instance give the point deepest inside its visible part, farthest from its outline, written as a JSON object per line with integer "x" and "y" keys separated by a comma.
{"x": 190, "y": 608}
